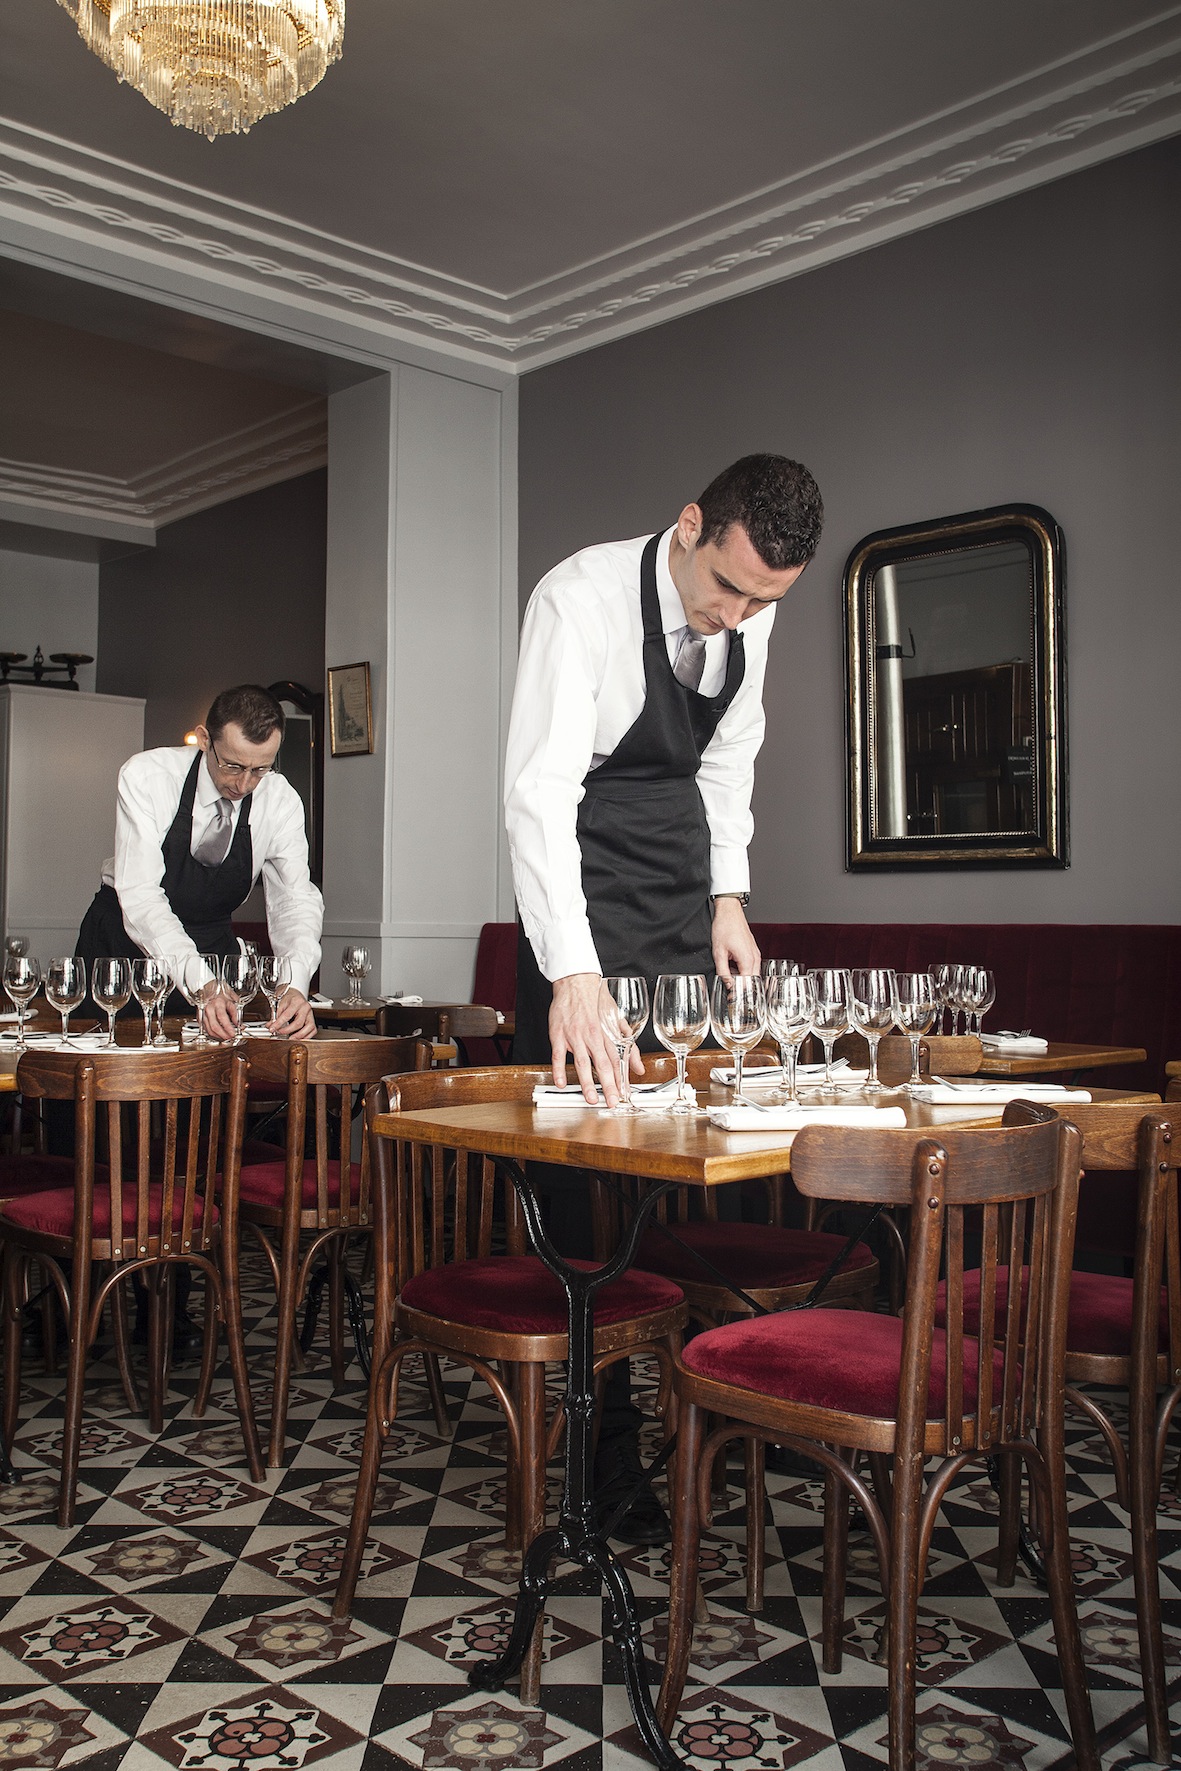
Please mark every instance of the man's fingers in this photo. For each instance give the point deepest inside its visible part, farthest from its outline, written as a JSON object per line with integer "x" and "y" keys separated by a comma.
{"x": 637, "y": 1061}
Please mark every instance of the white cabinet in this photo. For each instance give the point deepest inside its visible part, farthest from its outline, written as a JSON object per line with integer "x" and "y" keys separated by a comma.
{"x": 60, "y": 756}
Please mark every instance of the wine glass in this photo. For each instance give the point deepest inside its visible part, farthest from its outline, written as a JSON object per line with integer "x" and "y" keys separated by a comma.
{"x": 680, "y": 1018}
{"x": 623, "y": 1012}
{"x": 198, "y": 979}
{"x": 915, "y": 1005}
{"x": 791, "y": 1006}
{"x": 981, "y": 990}
{"x": 355, "y": 964}
{"x": 22, "y": 980}
{"x": 274, "y": 979}
{"x": 871, "y": 1010}
{"x": 169, "y": 965}
{"x": 941, "y": 975}
{"x": 832, "y": 1012}
{"x": 239, "y": 979}
{"x": 738, "y": 1010}
{"x": 110, "y": 984}
{"x": 956, "y": 1000}
{"x": 65, "y": 987}
{"x": 149, "y": 982}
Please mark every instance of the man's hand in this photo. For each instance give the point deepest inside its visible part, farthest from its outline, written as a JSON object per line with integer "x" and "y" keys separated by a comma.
{"x": 219, "y": 1012}
{"x": 575, "y": 1029}
{"x": 293, "y": 1017}
{"x": 736, "y": 953}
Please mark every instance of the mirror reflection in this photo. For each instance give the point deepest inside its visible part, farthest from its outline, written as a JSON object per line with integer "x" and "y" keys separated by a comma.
{"x": 955, "y": 693}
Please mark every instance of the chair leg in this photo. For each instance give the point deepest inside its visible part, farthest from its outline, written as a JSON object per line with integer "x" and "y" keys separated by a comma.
{"x": 902, "y": 1604}
{"x": 117, "y": 1303}
{"x": 1049, "y": 1476}
{"x": 335, "y": 1254}
{"x": 686, "y": 1546}
{"x": 228, "y": 1296}
{"x": 1144, "y": 1479}
{"x": 366, "y": 1490}
{"x": 49, "y": 1324}
{"x": 14, "y": 1268}
{"x": 755, "y": 1460}
{"x": 836, "y": 1566}
{"x": 531, "y": 1488}
{"x": 209, "y": 1338}
{"x": 434, "y": 1384}
{"x": 1009, "y": 1495}
{"x": 284, "y": 1339}
{"x": 79, "y": 1320}
{"x": 159, "y": 1281}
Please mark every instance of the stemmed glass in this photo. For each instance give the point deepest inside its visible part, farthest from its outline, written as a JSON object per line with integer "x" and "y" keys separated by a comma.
{"x": 355, "y": 964}
{"x": 941, "y": 977}
{"x": 169, "y": 964}
{"x": 623, "y": 1014}
{"x": 832, "y": 1013}
{"x": 957, "y": 984}
{"x": 981, "y": 993}
{"x": 791, "y": 1005}
{"x": 738, "y": 1010}
{"x": 680, "y": 1018}
{"x": 871, "y": 1010}
{"x": 149, "y": 982}
{"x": 110, "y": 985}
{"x": 915, "y": 1006}
{"x": 198, "y": 979}
{"x": 239, "y": 979}
{"x": 22, "y": 980}
{"x": 65, "y": 987}
{"x": 274, "y": 979}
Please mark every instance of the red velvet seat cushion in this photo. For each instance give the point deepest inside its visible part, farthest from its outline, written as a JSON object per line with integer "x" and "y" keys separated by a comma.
{"x": 840, "y": 1359}
{"x": 265, "y": 1183}
{"x": 1099, "y": 1321}
{"x": 33, "y": 1174}
{"x": 752, "y": 1255}
{"x": 515, "y": 1294}
{"x": 51, "y": 1212}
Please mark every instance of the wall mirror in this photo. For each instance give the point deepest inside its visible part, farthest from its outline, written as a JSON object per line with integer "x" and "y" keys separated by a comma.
{"x": 955, "y": 680}
{"x": 301, "y": 759}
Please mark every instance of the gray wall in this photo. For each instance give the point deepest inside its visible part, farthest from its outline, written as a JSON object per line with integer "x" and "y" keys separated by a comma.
{"x": 1030, "y": 351}
{"x": 49, "y": 603}
{"x": 232, "y": 595}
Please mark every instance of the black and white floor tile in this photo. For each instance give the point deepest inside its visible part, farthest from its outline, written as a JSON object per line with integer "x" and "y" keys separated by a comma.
{"x": 185, "y": 1620}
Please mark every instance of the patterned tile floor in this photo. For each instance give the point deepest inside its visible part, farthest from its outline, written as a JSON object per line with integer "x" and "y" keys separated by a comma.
{"x": 184, "y": 1621}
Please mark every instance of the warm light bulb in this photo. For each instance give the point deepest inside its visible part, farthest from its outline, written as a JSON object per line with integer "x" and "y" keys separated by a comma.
{"x": 192, "y": 738}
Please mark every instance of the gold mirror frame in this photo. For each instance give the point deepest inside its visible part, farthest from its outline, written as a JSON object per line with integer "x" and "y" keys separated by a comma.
{"x": 1031, "y": 830}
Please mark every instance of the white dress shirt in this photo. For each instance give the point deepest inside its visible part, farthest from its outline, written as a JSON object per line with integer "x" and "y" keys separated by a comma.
{"x": 150, "y": 786}
{"x": 580, "y": 689}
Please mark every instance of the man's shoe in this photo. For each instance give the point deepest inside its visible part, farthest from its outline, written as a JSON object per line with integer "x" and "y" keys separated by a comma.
{"x": 617, "y": 1470}
{"x": 785, "y": 1462}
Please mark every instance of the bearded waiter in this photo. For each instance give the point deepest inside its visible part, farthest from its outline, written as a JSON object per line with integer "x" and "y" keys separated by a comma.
{"x": 193, "y": 832}
{"x": 636, "y": 720}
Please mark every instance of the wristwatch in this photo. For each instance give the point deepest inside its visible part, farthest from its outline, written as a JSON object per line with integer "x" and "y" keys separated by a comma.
{"x": 743, "y": 897}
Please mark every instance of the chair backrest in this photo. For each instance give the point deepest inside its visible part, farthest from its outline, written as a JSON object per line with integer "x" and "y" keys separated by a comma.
{"x": 178, "y": 1183}
{"x": 1017, "y": 1185}
{"x": 1173, "y": 1072}
{"x": 458, "y": 1021}
{"x": 939, "y": 1055}
{"x": 326, "y": 1084}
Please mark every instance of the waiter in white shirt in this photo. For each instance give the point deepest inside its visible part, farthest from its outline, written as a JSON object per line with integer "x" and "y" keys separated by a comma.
{"x": 192, "y": 834}
{"x": 636, "y": 720}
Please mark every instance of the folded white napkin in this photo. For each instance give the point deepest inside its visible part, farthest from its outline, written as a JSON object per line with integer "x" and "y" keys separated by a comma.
{"x": 11, "y": 1017}
{"x": 406, "y": 998}
{"x": 795, "y": 1118}
{"x": 768, "y": 1075}
{"x": 1017, "y": 1045}
{"x": 256, "y": 1030}
{"x": 319, "y": 1000}
{"x": 990, "y": 1094}
{"x": 643, "y": 1094}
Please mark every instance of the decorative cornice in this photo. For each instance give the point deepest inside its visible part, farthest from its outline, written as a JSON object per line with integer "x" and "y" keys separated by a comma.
{"x": 245, "y": 461}
{"x": 1103, "y": 101}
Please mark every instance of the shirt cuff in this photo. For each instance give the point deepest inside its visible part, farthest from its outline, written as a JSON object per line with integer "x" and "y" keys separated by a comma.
{"x": 565, "y": 947}
{"x": 729, "y": 870}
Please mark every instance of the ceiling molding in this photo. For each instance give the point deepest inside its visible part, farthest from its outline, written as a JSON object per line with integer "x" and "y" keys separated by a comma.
{"x": 280, "y": 448}
{"x": 1107, "y": 100}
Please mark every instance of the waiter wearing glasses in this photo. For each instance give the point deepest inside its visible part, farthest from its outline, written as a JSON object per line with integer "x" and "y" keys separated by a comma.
{"x": 192, "y": 835}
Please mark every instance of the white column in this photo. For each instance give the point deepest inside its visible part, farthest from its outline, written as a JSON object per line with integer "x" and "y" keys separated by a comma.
{"x": 420, "y": 584}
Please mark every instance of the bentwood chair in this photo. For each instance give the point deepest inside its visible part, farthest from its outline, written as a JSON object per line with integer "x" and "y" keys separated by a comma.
{"x": 1126, "y": 1333}
{"x": 832, "y": 1384}
{"x": 323, "y": 1197}
{"x": 139, "y": 1212}
{"x": 442, "y": 1292}
{"x": 457, "y": 1021}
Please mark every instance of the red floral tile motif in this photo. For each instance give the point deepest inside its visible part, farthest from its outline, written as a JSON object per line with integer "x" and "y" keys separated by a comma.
{"x": 487, "y": 1560}
{"x": 270, "y": 1728}
{"x": 1110, "y": 1640}
{"x": 100, "y": 1443}
{"x": 480, "y": 1632}
{"x": 33, "y": 1498}
{"x": 41, "y": 1733}
{"x": 294, "y": 1637}
{"x": 218, "y": 1445}
{"x": 90, "y": 1637}
{"x": 946, "y": 1736}
{"x": 488, "y": 1737}
{"x": 314, "y": 1561}
{"x": 335, "y": 1497}
{"x": 145, "y": 1558}
{"x": 721, "y": 1730}
{"x": 725, "y": 1637}
{"x": 191, "y": 1495}
{"x": 945, "y": 1645}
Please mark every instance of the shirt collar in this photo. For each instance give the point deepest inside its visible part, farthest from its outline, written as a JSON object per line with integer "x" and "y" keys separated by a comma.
{"x": 207, "y": 794}
{"x": 672, "y": 609}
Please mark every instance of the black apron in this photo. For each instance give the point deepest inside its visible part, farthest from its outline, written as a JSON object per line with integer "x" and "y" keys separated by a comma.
{"x": 644, "y": 837}
{"x": 203, "y": 899}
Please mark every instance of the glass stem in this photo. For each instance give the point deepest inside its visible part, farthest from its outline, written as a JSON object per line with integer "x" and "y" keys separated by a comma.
{"x": 110, "y": 1026}
{"x": 915, "y": 1078}
{"x": 65, "y": 1015}
{"x": 147, "y": 1008}
{"x": 789, "y": 1070}
{"x": 828, "y": 1041}
{"x": 872, "y": 1040}
{"x": 682, "y": 1056}
{"x": 20, "y": 1026}
{"x": 738, "y": 1057}
{"x": 625, "y": 1087}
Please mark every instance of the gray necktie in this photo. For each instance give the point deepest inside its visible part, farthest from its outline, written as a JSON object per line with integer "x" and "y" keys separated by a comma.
{"x": 690, "y": 659}
{"x": 214, "y": 846}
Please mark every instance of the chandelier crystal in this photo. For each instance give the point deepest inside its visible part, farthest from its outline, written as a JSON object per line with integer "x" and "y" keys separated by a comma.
{"x": 215, "y": 66}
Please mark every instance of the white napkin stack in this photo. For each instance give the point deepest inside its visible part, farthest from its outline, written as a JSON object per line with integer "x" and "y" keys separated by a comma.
{"x": 405, "y": 998}
{"x": 771, "y": 1075}
{"x": 654, "y": 1095}
{"x": 795, "y": 1118}
{"x": 991, "y": 1094}
{"x": 1014, "y": 1045}
{"x": 319, "y": 1000}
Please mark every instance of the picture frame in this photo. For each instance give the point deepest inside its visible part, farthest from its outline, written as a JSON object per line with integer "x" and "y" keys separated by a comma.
{"x": 350, "y": 710}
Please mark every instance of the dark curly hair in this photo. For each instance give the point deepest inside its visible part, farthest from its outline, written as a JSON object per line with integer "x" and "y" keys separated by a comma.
{"x": 775, "y": 500}
{"x": 253, "y": 709}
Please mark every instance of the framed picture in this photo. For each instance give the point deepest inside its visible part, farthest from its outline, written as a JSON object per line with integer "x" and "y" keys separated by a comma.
{"x": 350, "y": 714}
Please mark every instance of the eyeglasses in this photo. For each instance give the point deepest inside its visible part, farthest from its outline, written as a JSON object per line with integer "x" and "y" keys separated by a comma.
{"x": 239, "y": 771}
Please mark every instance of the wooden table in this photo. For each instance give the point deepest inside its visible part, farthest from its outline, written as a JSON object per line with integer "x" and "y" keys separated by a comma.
{"x": 1060, "y": 1057}
{"x": 669, "y": 1150}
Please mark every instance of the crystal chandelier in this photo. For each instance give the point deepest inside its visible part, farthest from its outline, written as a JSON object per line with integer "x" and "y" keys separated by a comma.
{"x": 215, "y": 66}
